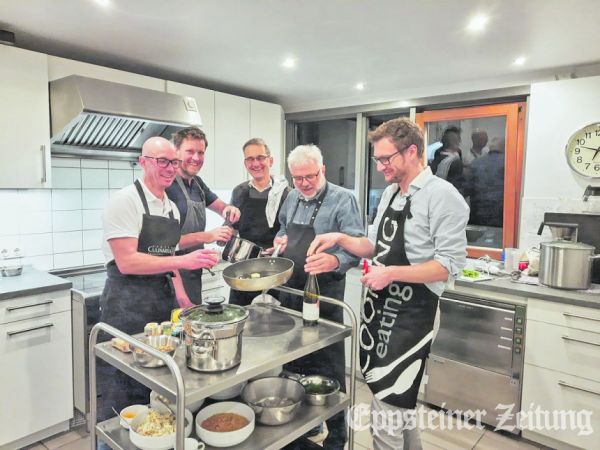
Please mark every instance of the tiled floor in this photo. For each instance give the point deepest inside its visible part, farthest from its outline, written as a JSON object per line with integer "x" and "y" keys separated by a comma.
{"x": 455, "y": 437}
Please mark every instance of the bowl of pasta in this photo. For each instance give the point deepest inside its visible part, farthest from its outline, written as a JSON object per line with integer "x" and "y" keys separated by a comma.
{"x": 154, "y": 430}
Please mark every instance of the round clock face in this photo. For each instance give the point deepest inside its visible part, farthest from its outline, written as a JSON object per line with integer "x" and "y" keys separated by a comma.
{"x": 583, "y": 151}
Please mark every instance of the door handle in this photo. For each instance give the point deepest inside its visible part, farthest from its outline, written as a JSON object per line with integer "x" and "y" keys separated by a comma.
{"x": 570, "y": 386}
{"x": 576, "y": 316}
{"x": 567, "y": 338}
{"x": 14, "y": 308}
{"x": 27, "y": 330}
{"x": 44, "y": 174}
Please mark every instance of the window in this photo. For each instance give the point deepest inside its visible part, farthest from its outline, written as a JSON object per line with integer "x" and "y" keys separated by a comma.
{"x": 480, "y": 151}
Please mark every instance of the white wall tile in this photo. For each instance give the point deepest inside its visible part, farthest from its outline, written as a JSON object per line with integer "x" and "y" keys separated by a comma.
{"x": 10, "y": 207}
{"x": 9, "y": 224}
{"x": 66, "y": 178}
{"x": 35, "y": 222}
{"x": 10, "y": 242}
{"x": 70, "y": 241}
{"x": 36, "y": 244}
{"x": 120, "y": 164}
{"x": 94, "y": 198}
{"x": 45, "y": 262}
{"x": 94, "y": 163}
{"x": 94, "y": 178}
{"x": 93, "y": 257}
{"x": 91, "y": 219}
{"x": 9, "y": 199}
{"x": 65, "y": 260}
{"x": 65, "y": 162}
{"x": 66, "y": 199}
{"x": 66, "y": 221}
{"x": 92, "y": 239}
{"x": 119, "y": 178}
{"x": 35, "y": 199}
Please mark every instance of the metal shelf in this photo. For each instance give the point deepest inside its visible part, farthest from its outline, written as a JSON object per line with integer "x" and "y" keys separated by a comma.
{"x": 264, "y": 437}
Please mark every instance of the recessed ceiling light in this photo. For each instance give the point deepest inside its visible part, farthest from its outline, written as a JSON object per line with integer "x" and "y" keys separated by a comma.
{"x": 359, "y": 86}
{"x": 477, "y": 23}
{"x": 289, "y": 63}
{"x": 519, "y": 61}
{"x": 103, "y": 3}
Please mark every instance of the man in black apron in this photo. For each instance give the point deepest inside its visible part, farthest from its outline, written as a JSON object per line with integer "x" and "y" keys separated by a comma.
{"x": 315, "y": 207}
{"x": 259, "y": 201}
{"x": 141, "y": 233}
{"x": 417, "y": 243}
{"x": 192, "y": 196}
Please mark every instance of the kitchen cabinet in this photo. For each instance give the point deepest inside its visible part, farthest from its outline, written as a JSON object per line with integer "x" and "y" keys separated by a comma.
{"x": 205, "y": 99}
{"x": 266, "y": 122}
{"x": 561, "y": 374}
{"x": 25, "y": 118}
{"x": 37, "y": 386}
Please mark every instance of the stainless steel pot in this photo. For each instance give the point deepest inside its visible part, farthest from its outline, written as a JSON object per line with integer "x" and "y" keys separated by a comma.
{"x": 566, "y": 265}
{"x": 238, "y": 249}
{"x": 213, "y": 335}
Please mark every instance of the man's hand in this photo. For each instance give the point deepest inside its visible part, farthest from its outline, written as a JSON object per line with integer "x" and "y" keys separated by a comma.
{"x": 200, "y": 259}
{"x": 321, "y": 263}
{"x": 377, "y": 278}
{"x": 219, "y": 234}
{"x": 234, "y": 213}
{"x": 281, "y": 240}
{"x": 323, "y": 242}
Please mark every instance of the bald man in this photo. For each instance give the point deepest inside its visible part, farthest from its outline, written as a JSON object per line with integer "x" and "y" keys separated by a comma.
{"x": 141, "y": 234}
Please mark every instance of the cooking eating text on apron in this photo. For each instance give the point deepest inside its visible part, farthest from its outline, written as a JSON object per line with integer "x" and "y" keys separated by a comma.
{"x": 396, "y": 322}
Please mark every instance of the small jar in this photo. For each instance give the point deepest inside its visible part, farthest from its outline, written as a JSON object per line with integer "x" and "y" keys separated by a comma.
{"x": 152, "y": 329}
{"x": 167, "y": 328}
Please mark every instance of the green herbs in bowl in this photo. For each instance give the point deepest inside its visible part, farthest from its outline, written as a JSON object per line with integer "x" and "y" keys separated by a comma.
{"x": 319, "y": 390}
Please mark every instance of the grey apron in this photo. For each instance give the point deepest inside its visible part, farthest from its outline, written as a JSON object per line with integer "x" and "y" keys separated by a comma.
{"x": 195, "y": 220}
{"x": 128, "y": 302}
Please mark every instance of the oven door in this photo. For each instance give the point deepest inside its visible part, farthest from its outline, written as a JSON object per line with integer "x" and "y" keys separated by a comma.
{"x": 477, "y": 332}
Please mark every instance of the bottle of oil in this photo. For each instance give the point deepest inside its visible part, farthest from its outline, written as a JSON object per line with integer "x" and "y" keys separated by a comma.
{"x": 310, "y": 303}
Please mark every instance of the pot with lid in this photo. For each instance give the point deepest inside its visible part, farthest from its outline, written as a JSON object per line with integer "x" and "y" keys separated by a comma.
{"x": 213, "y": 335}
{"x": 566, "y": 265}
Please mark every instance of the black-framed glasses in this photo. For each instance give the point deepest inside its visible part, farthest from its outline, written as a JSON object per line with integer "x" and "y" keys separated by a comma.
{"x": 259, "y": 158}
{"x": 164, "y": 162}
{"x": 310, "y": 178}
{"x": 385, "y": 160}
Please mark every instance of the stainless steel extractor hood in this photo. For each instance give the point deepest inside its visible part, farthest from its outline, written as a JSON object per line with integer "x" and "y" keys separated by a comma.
{"x": 101, "y": 119}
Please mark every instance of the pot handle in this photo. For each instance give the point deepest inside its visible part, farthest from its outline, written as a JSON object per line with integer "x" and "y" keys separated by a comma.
{"x": 595, "y": 256}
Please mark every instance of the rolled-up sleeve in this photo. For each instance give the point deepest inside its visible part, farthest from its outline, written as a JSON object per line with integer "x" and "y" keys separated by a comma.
{"x": 449, "y": 216}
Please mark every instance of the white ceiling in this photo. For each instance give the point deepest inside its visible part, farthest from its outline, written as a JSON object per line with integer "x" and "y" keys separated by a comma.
{"x": 397, "y": 48}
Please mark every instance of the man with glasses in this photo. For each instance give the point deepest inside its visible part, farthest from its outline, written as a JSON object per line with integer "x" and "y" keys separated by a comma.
{"x": 192, "y": 196}
{"x": 417, "y": 243}
{"x": 259, "y": 201}
{"x": 141, "y": 233}
{"x": 315, "y": 207}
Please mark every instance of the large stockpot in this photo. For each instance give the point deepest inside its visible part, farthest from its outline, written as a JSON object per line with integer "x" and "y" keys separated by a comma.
{"x": 213, "y": 335}
{"x": 566, "y": 265}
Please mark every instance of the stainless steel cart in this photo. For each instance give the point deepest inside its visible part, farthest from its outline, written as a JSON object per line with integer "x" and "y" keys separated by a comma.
{"x": 259, "y": 354}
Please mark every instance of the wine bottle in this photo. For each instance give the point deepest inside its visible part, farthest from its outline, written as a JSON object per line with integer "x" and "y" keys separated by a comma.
{"x": 310, "y": 303}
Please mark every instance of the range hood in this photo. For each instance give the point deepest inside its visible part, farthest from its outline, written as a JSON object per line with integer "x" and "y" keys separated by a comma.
{"x": 101, "y": 119}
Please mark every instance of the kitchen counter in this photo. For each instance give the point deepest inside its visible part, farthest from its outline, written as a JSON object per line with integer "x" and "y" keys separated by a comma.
{"x": 506, "y": 286}
{"x": 31, "y": 282}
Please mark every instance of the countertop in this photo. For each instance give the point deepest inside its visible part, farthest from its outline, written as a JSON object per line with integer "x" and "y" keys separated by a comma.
{"x": 506, "y": 286}
{"x": 31, "y": 282}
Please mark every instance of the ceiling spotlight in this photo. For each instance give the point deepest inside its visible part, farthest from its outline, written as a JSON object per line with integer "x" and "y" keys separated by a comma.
{"x": 477, "y": 23}
{"x": 359, "y": 86}
{"x": 519, "y": 61}
{"x": 289, "y": 63}
{"x": 103, "y": 3}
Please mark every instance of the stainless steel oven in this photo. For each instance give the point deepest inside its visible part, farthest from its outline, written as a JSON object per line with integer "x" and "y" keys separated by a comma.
{"x": 476, "y": 360}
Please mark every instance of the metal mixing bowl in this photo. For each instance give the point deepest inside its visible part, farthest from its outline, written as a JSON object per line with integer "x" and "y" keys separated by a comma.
{"x": 330, "y": 387}
{"x": 144, "y": 359}
{"x": 274, "y": 400}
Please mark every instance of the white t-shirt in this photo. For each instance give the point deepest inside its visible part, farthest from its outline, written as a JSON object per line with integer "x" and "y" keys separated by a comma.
{"x": 124, "y": 214}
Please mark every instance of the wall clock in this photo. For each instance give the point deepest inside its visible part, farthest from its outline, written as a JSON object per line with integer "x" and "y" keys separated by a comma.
{"x": 583, "y": 151}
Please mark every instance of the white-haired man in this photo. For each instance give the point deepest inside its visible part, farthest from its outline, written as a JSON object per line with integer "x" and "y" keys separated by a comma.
{"x": 316, "y": 207}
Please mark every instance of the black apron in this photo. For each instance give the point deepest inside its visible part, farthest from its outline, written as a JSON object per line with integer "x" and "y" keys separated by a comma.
{"x": 253, "y": 226}
{"x": 128, "y": 302}
{"x": 396, "y": 322}
{"x": 329, "y": 361}
{"x": 195, "y": 220}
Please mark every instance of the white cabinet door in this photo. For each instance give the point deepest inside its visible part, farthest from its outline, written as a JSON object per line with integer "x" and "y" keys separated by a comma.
{"x": 266, "y": 122}
{"x": 25, "y": 119}
{"x": 36, "y": 380}
{"x": 232, "y": 130}
{"x": 205, "y": 99}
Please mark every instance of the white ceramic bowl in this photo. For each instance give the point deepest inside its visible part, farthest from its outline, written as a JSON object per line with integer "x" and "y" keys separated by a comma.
{"x": 156, "y": 442}
{"x": 158, "y": 406}
{"x": 136, "y": 410}
{"x": 230, "y": 393}
{"x": 228, "y": 438}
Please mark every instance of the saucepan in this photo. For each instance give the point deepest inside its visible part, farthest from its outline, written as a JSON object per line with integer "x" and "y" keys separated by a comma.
{"x": 238, "y": 249}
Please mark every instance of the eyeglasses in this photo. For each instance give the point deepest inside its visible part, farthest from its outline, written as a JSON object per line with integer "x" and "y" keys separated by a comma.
{"x": 309, "y": 178}
{"x": 164, "y": 162}
{"x": 259, "y": 158}
{"x": 385, "y": 160}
